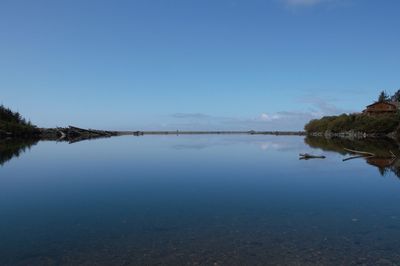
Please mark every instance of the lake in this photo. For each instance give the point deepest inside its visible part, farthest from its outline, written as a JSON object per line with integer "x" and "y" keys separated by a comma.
{"x": 198, "y": 200}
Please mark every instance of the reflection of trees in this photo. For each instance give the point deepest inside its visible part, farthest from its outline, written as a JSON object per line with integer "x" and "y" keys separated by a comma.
{"x": 383, "y": 148}
{"x": 11, "y": 148}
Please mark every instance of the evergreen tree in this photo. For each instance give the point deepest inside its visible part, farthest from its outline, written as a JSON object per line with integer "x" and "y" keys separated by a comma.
{"x": 383, "y": 97}
{"x": 13, "y": 123}
{"x": 396, "y": 96}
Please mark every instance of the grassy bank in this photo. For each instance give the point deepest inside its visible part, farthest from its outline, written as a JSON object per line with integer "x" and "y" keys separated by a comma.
{"x": 382, "y": 124}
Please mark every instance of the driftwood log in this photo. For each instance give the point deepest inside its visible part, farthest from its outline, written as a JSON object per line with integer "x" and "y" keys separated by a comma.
{"x": 306, "y": 156}
{"x": 356, "y": 157}
{"x": 365, "y": 153}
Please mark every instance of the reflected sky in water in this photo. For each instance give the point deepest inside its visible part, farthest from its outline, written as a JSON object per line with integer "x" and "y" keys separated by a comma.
{"x": 225, "y": 199}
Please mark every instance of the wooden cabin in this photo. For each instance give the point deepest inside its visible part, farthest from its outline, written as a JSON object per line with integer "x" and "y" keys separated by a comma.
{"x": 379, "y": 108}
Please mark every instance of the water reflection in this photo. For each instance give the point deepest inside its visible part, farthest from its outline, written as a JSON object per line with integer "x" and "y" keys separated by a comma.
{"x": 158, "y": 200}
{"x": 11, "y": 148}
{"x": 200, "y": 142}
{"x": 387, "y": 151}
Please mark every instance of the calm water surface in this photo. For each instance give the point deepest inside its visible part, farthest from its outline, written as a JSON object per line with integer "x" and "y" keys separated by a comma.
{"x": 195, "y": 200}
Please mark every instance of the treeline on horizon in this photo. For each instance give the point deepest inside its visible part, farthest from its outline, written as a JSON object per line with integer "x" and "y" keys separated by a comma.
{"x": 356, "y": 122}
{"x": 13, "y": 124}
{"x": 380, "y": 124}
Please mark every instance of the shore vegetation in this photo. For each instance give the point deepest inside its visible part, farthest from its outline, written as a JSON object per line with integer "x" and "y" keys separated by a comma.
{"x": 382, "y": 124}
{"x": 13, "y": 124}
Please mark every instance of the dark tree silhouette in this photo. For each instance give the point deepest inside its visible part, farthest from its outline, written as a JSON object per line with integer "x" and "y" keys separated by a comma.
{"x": 13, "y": 148}
{"x": 383, "y": 97}
{"x": 12, "y": 123}
{"x": 396, "y": 96}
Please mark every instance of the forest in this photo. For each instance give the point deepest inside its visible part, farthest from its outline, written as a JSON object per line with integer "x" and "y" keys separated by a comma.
{"x": 12, "y": 124}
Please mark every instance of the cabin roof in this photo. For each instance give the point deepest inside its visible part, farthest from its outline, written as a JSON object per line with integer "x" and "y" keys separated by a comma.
{"x": 395, "y": 104}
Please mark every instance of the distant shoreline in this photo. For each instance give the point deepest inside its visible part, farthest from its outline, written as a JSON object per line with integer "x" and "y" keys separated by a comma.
{"x": 74, "y": 134}
{"x": 207, "y": 132}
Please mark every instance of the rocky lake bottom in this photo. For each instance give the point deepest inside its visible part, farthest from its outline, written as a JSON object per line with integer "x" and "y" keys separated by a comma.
{"x": 199, "y": 200}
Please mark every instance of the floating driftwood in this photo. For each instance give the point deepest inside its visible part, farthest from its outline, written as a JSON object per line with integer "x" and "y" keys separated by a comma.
{"x": 368, "y": 155}
{"x": 306, "y": 156}
{"x": 365, "y": 153}
{"x": 75, "y": 134}
{"x": 361, "y": 154}
{"x": 356, "y": 157}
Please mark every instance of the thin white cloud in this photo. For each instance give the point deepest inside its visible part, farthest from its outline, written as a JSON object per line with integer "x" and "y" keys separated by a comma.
{"x": 269, "y": 117}
{"x": 324, "y": 106}
{"x": 294, "y": 120}
{"x": 281, "y": 120}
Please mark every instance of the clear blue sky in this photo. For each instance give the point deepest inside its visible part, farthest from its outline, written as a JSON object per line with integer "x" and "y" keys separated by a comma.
{"x": 195, "y": 64}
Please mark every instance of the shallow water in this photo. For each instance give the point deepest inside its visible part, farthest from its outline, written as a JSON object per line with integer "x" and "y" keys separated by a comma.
{"x": 206, "y": 200}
